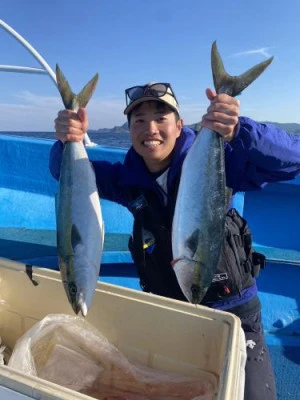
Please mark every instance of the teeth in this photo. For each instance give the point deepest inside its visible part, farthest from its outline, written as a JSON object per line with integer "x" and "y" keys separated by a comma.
{"x": 151, "y": 143}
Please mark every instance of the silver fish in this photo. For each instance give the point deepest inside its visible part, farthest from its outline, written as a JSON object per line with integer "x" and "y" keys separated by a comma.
{"x": 80, "y": 228}
{"x": 203, "y": 198}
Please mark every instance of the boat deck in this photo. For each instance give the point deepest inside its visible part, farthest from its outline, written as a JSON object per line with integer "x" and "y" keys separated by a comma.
{"x": 278, "y": 293}
{"x": 27, "y": 234}
{"x": 281, "y": 303}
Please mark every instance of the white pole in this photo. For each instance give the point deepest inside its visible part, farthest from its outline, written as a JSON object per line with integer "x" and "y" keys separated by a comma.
{"x": 46, "y": 67}
{"x": 27, "y": 70}
{"x": 29, "y": 48}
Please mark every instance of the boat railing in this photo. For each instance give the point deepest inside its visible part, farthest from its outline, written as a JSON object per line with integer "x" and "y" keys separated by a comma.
{"x": 45, "y": 67}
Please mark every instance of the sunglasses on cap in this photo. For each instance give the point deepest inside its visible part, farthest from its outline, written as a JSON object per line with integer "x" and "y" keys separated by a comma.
{"x": 151, "y": 90}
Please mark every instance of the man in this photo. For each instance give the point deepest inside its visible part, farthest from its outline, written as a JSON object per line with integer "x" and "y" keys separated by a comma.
{"x": 147, "y": 185}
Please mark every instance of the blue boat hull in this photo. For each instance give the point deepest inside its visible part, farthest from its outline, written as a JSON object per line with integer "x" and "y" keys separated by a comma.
{"x": 27, "y": 234}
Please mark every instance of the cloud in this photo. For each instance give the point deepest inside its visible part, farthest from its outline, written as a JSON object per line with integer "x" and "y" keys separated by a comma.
{"x": 262, "y": 51}
{"x": 192, "y": 112}
{"x": 32, "y": 112}
{"x": 34, "y": 100}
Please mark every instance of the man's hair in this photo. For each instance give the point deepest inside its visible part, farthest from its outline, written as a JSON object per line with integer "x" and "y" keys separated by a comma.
{"x": 159, "y": 106}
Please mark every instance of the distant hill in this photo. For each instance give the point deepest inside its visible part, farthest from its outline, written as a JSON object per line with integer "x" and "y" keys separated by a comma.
{"x": 289, "y": 127}
{"x": 116, "y": 129}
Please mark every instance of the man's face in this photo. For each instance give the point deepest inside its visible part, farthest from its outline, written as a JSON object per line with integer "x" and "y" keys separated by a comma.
{"x": 154, "y": 131}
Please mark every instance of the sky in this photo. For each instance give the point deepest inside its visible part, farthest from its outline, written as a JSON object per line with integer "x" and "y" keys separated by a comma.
{"x": 132, "y": 42}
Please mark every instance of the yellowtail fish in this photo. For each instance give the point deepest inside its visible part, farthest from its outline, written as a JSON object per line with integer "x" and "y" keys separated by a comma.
{"x": 80, "y": 228}
{"x": 203, "y": 199}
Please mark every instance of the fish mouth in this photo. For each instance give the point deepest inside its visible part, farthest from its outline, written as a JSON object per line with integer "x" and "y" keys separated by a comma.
{"x": 80, "y": 307}
{"x": 76, "y": 308}
{"x": 197, "y": 294}
{"x": 76, "y": 299}
{"x": 186, "y": 271}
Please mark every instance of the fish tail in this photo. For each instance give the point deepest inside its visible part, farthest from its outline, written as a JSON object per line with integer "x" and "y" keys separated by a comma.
{"x": 71, "y": 100}
{"x": 233, "y": 85}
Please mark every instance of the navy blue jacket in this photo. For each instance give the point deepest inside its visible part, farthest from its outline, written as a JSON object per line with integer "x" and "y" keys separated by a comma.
{"x": 259, "y": 154}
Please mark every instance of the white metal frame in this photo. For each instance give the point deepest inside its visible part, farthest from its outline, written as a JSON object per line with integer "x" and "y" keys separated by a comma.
{"x": 46, "y": 69}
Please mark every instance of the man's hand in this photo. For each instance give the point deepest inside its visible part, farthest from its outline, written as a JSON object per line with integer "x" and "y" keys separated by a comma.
{"x": 222, "y": 114}
{"x": 71, "y": 126}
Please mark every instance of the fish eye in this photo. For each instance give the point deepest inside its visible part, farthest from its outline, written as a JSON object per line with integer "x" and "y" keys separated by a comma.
{"x": 72, "y": 288}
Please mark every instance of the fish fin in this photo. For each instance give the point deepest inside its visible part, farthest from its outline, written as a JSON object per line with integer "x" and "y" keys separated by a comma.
{"x": 192, "y": 241}
{"x": 29, "y": 273}
{"x": 76, "y": 238}
{"x": 71, "y": 100}
{"x": 233, "y": 85}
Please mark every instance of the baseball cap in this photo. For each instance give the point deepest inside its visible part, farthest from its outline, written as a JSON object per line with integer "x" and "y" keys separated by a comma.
{"x": 161, "y": 92}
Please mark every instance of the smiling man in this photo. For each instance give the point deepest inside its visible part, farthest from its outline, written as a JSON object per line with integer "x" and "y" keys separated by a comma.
{"x": 147, "y": 184}
{"x": 162, "y": 126}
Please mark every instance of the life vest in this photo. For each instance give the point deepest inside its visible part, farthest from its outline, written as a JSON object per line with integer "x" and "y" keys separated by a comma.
{"x": 151, "y": 249}
{"x": 239, "y": 263}
{"x": 150, "y": 245}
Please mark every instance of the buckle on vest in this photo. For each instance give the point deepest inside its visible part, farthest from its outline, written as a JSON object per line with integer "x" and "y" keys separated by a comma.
{"x": 144, "y": 286}
{"x": 137, "y": 204}
{"x": 149, "y": 245}
{"x": 258, "y": 263}
{"x": 259, "y": 259}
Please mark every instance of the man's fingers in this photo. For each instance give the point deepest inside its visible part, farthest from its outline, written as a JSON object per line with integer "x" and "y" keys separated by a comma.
{"x": 221, "y": 117}
{"x": 210, "y": 94}
{"x": 223, "y": 108}
{"x": 67, "y": 118}
{"x": 216, "y": 126}
{"x": 68, "y": 114}
{"x": 69, "y": 126}
{"x": 222, "y": 114}
{"x": 82, "y": 114}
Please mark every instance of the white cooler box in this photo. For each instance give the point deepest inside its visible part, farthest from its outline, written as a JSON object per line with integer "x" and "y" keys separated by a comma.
{"x": 155, "y": 331}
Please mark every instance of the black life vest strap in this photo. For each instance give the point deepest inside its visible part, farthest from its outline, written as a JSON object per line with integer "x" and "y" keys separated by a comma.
{"x": 252, "y": 260}
{"x": 239, "y": 262}
{"x": 153, "y": 263}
